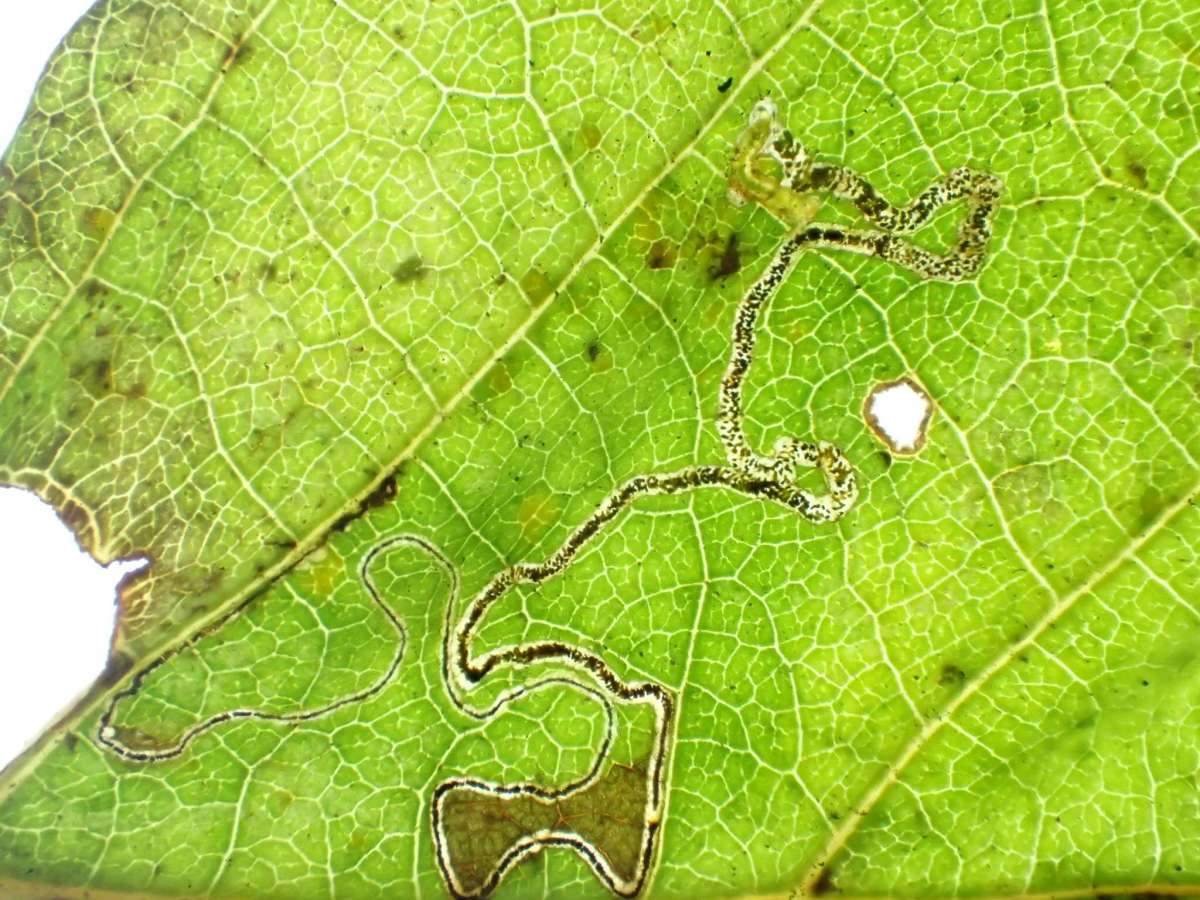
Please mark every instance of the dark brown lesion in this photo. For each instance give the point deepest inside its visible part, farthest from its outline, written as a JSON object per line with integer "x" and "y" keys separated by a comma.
{"x": 484, "y": 831}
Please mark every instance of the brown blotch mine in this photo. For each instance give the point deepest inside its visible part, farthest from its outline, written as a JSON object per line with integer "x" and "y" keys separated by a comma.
{"x": 609, "y": 815}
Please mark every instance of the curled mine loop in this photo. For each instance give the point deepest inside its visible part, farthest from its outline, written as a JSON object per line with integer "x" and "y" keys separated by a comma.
{"x": 768, "y": 167}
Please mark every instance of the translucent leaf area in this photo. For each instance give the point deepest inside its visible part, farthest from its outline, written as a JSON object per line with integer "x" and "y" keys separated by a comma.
{"x": 488, "y": 386}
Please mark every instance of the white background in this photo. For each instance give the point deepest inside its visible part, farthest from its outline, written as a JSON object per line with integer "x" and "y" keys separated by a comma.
{"x": 56, "y": 603}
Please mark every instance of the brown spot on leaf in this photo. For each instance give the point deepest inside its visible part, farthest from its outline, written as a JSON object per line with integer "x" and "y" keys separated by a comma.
{"x": 384, "y": 493}
{"x": 75, "y": 517}
{"x": 662, "y": 255}
{"x": 1150, "y": 506}
{"x": 729, "y": 262}
{"x": 100, "y": 381}
{"x": 137, "y": 738}
{"x": 824, "y": 883}
{"x": 410, "y": 269}
{"x": 1138, "y": 172}
{"x": 94, "y": 290}
{"x": 131, "y": 589}
{"x": 951, "y": 675}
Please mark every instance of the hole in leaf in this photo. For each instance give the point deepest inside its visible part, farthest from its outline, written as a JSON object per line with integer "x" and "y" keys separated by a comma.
{"x": 899, "y": 412}
{"x": 57, "y": 617}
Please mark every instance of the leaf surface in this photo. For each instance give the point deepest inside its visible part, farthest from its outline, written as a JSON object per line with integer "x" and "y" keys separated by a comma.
{"x": 341, "y": 311}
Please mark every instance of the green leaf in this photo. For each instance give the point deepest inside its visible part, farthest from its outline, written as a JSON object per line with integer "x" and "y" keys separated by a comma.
{"x": 402, "y": 340}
